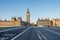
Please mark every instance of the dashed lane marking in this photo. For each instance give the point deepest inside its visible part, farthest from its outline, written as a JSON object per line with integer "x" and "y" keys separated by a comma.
{"x": 43, "y": 36}
{"x": 38, "y": 35}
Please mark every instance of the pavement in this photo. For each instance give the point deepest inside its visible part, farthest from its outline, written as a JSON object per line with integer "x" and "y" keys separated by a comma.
{"x": 31, "y": 33}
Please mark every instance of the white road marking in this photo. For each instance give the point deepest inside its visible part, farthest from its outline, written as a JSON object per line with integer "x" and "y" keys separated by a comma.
{"x": 43, "y": 36}
{"x": 3, "y": 38}
{"x": 56, "y": 28}
{"x": 20, "y": 34}
{"x": 52, "y": 31}
{"x": 8, "y": 29}
{"x": 38, "y": 35}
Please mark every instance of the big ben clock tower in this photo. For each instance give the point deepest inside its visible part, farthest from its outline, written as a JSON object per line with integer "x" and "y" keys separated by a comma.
{"x": 28, "y": 16}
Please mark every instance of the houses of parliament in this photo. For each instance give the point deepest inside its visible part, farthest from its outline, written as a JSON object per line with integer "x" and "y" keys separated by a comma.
{"x": 16, "y": 21}
{"x": 19, "y": 22}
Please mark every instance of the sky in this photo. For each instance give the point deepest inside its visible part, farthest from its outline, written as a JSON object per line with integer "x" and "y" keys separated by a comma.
{"x": 38, "y": 9}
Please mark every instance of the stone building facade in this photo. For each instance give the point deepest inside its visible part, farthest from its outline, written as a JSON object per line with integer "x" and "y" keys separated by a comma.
{"x": 43, "y": 22}
{"x": 12, "y": 22}
{"x": 56, "y": 22}
{"x": 16, "y": 21}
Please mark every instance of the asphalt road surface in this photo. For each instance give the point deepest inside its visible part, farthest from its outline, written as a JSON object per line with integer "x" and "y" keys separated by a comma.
{"x": 31, "y": 33}
{"x": 8, "y": 34}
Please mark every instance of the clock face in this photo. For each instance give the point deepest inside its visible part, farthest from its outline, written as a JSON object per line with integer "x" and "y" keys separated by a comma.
{"x": 27, "y": 13}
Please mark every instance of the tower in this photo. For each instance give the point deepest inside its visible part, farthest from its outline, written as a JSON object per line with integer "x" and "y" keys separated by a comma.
{"x": 28, "y": 16}
{"x": 13, "y": 20}
{"x": 19, "y": 21}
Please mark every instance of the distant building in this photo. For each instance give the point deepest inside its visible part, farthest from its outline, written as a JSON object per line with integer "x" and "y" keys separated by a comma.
{"x": 27, "y": 17}
{"x": 33, "y": 24}
{"x": 16, "y": 22}
{"x": 56, "y": 22}
{"x": 24, "y": 23}
{"x": 43, "y": 22}
{"x": 13, "y": 22}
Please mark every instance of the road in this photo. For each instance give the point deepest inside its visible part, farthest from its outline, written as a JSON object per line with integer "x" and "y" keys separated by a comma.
{"x": 31, "y": 33}
{"x": 8, "y": 34}
{"x": 50, "y": 33}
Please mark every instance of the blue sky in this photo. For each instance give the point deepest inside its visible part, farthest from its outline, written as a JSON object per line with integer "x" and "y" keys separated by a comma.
{"x": 38, "y": 9}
